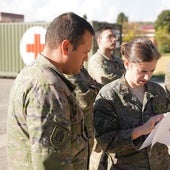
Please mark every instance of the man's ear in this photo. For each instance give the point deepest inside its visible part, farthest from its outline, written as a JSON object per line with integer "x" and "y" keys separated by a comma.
{"x": 98, "y": 39}
{"x": 66, "y": 47}
{"x": 126, "y": 64}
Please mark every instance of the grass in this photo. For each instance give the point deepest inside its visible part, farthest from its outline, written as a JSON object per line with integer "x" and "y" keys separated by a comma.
{"x": 160, "y": 71}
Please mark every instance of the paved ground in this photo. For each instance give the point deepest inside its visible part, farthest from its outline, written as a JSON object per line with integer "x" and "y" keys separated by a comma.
{"x": 5, "y": 85}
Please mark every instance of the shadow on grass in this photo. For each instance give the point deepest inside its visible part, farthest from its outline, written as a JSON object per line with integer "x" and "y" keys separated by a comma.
{"x": 158, "y": 78}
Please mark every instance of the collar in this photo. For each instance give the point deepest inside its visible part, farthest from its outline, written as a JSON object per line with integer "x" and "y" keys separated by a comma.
{"x": 43, "y": 60}
{"x": 105, "y": 55}
{"x": 125, "y": 92}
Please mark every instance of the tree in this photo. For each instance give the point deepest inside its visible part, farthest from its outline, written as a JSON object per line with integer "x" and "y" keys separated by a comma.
{"x": 130, "y": 31}
{"x": 163, "y": 20}
{"x": 163, "y": 39}
{"x": 122, "y": 18}
{"x": 162, "y": 33}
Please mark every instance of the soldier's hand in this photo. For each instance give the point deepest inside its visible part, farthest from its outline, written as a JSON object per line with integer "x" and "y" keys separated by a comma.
{"x": 151, "y": 123}
{"x": 147, "y": 127}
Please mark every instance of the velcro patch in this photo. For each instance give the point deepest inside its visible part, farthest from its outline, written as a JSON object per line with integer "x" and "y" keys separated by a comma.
{"x": 59, "y": 137}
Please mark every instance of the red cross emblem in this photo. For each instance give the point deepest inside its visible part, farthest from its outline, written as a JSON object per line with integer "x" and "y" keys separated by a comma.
{"x": 37, "y": 47}
{"x": 32, "y": 43}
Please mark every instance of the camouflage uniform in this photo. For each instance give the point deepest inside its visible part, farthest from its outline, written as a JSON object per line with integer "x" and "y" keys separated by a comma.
{"x": 103, "y": 69}
{"x": 45, "y": 123}
{"x": 86, "y": 91}
{"x": 116, "y": 113}
{"x": 167, "y": 80}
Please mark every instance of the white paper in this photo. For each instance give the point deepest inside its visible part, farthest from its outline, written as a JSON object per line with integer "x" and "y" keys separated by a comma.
{"x": 160, "y": 134}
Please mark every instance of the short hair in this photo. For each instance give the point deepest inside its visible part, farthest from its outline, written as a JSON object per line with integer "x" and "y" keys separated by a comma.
{"x": 140, "y": 50}
{"x": 67, "y": 26}
{"x": 101, "y": 29}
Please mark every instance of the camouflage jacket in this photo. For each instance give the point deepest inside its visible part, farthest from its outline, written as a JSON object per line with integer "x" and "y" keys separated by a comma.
{"x": 167, "y": 80}
{"x": 105, "y": 70}
{"x": 117, "y": 112}
{"x": 86, "y": 91}
{"x": 45, "y": 123}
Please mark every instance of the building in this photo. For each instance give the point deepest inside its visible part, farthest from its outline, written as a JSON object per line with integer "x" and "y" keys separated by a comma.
{"x": 148, "y": 31}
{"x": 10, "y": 17}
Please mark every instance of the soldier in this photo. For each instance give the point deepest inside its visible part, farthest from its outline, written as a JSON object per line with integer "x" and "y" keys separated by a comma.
{"x": 127, "y": 110}
{"x": 103, "y": 66}
{"x": 46, "y": 129}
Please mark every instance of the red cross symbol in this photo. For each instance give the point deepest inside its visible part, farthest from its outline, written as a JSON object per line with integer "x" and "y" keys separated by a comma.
{"x": 37, "y": 47}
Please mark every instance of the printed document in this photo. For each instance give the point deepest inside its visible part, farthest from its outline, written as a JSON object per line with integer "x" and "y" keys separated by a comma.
{"x": 160, "y": 134}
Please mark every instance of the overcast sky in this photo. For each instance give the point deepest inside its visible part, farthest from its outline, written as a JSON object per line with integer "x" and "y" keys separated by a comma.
{"x": 98, "y": 10}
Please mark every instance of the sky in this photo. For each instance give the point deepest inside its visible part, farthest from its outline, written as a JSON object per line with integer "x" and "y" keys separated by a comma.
{"x": 95, "y": 10}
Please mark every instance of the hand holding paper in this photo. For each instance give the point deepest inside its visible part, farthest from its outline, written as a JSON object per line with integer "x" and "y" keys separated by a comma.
{"x": 160, "y": 134}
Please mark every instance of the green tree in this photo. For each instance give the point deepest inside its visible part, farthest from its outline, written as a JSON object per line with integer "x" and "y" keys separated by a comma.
{"x": 122, "y": 18}
{"x": 163, "y": 39}
{"x": 163, "y": 20}
{"x": 130, "y": 31}
{"x": 162, "y": 31}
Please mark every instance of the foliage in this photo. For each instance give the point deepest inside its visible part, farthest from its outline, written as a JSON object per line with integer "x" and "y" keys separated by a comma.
{"x": 131, "y": 31}
{"x": 163, "y": 20}
{"x": 122, "y": 18}
{"x": 162, "y": 33}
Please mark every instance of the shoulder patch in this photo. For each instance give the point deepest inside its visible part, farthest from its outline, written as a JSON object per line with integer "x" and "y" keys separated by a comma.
{"x": 59, "y": 137}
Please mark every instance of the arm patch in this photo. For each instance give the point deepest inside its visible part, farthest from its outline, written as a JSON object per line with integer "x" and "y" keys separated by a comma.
{"x": 59, "y": 137}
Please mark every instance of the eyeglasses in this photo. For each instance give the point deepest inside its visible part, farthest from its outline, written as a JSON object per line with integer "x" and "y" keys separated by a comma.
{"x": 112, "y": 37}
